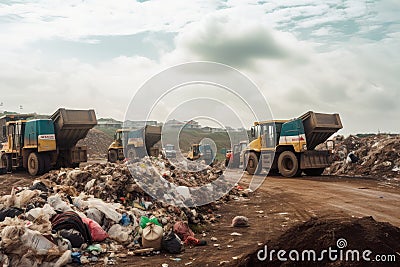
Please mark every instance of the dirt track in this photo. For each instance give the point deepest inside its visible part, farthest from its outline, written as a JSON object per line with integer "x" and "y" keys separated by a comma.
{"x": 278, "y": 204}
{"x": 285, "y": 202}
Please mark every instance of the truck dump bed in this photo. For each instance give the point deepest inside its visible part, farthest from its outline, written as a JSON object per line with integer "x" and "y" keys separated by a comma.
{"x": 319, "y": 127}
{"x": 152, "y": 136}
{"x": 72, "y": 125}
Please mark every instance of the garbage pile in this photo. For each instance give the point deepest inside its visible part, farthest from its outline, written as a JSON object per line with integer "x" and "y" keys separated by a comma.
{"x": 97, "y": 143}
{"x": 376, "y": 155}
{"x": 94, "y": 214}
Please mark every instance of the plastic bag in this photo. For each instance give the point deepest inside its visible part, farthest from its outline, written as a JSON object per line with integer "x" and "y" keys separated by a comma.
{"x": 95, "y": 215}
{"x": 38, "y": 243}
{"x": 152, "y": 236}
{"x": 172, "y": 243}
{"x": 23, "y": 197}
{"x": 144, "y": 221}
{"x": 97, "y": 233}
{"x": 120, "y": 233}
{"x": 109, "y": 209}
{"x": 58, "y": 204}
{"x": 125, "y": 221}
{"x": 47, "y": 211}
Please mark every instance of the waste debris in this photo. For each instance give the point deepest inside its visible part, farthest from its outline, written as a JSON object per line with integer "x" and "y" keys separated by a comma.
{"x": 99, "y": 213}
{"x": 374, "y": 156}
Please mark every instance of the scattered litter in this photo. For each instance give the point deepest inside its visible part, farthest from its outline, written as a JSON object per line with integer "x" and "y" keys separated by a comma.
{"x": 240, "y": 221}
{"x": 236, "y": 234}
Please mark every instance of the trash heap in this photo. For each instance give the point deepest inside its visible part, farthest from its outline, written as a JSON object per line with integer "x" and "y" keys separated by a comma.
{"x": 378, "y": 156}
{"x": 95, "y": 214}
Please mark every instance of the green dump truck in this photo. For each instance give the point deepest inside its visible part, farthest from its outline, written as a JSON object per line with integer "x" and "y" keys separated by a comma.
{"x": 38, "y": 145}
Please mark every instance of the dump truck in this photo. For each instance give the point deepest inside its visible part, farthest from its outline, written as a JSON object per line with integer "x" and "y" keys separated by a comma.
{"x": 288, "y": 146}
{"x": 138, "y": 142}
{"x": 41, "y": 144}
{"x": 201, "y": 151}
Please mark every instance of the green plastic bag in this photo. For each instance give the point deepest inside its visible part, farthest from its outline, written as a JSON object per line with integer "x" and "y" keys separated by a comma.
{"x": 144, "y": 220}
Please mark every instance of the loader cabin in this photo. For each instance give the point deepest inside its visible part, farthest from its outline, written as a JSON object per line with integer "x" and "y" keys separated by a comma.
{"x": 268, "y": 133}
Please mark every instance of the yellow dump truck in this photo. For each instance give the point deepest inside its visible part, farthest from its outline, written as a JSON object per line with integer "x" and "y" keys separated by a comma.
{"x": 40, "y": 144}
{"x": 288, "y": 146}
{"x": 138, "y": 142}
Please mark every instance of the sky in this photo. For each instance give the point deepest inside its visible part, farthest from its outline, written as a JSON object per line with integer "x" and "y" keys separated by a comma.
{"x": 336, "y": 56}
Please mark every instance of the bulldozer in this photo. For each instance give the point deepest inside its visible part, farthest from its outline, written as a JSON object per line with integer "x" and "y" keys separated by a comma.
{"x": 40, "y": 144}
{"x": 138, "y": 142}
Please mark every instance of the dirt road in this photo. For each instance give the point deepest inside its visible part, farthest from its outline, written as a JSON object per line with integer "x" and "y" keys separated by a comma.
{"x": 278, "y": 204}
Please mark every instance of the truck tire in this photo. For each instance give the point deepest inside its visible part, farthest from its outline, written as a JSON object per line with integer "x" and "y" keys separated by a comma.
{"x": 288, "y": 164}
{"x": 314, "y": 172}
{"x": 35, "y": 164}
{"x": 112, "y": 156}
{"x": 252, "y": 164}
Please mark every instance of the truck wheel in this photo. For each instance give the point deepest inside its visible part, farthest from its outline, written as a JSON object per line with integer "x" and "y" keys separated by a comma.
{"x": 252, "y": 165}
{"x": 35, "y": 164}
{"x": 288, "y": 164}
{"x": 132, "y": 153}
{"x": 112, "y": 156}
{"x": 314, "y": 172}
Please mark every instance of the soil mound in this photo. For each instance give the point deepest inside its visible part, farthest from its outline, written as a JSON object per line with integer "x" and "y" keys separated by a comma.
{"x": 341, "y": 235}
{"x": 97, "y": 143}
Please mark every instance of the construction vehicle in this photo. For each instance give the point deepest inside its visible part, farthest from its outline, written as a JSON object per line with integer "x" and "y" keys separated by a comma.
{"x": 137, "y": 143}
{"x": 201, "y": 151}
{"x": 233, "y": 159}
{"x": 288, "y": 146}
{"x": 40, "y": 144}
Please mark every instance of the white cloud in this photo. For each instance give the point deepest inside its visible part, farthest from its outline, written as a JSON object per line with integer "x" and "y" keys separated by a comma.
{"x": 352, "y": 75}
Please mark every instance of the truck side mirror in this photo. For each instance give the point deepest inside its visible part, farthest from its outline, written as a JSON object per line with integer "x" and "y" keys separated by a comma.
{"x": 4, "y": 131}
{"x": 253, "y": 131}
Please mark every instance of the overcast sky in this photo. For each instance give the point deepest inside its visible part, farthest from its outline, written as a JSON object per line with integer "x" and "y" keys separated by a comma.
{"x": 330, "y": 56}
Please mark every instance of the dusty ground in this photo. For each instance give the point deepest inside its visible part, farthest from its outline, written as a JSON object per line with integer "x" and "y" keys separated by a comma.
{"x": 278, "y": 204}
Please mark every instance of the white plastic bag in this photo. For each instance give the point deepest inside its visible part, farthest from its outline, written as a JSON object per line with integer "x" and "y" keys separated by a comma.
{"x": 120, "y": 233}
{"x": 109, "y": 209}
{"x": 58, "y": 204}
{"x": 38, "y": 243}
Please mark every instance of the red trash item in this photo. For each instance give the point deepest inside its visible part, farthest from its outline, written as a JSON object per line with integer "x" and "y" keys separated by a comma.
{"x": 190, "y": 240}
{"x": 97, "y": 233}
{"x": 182, "y": 230}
